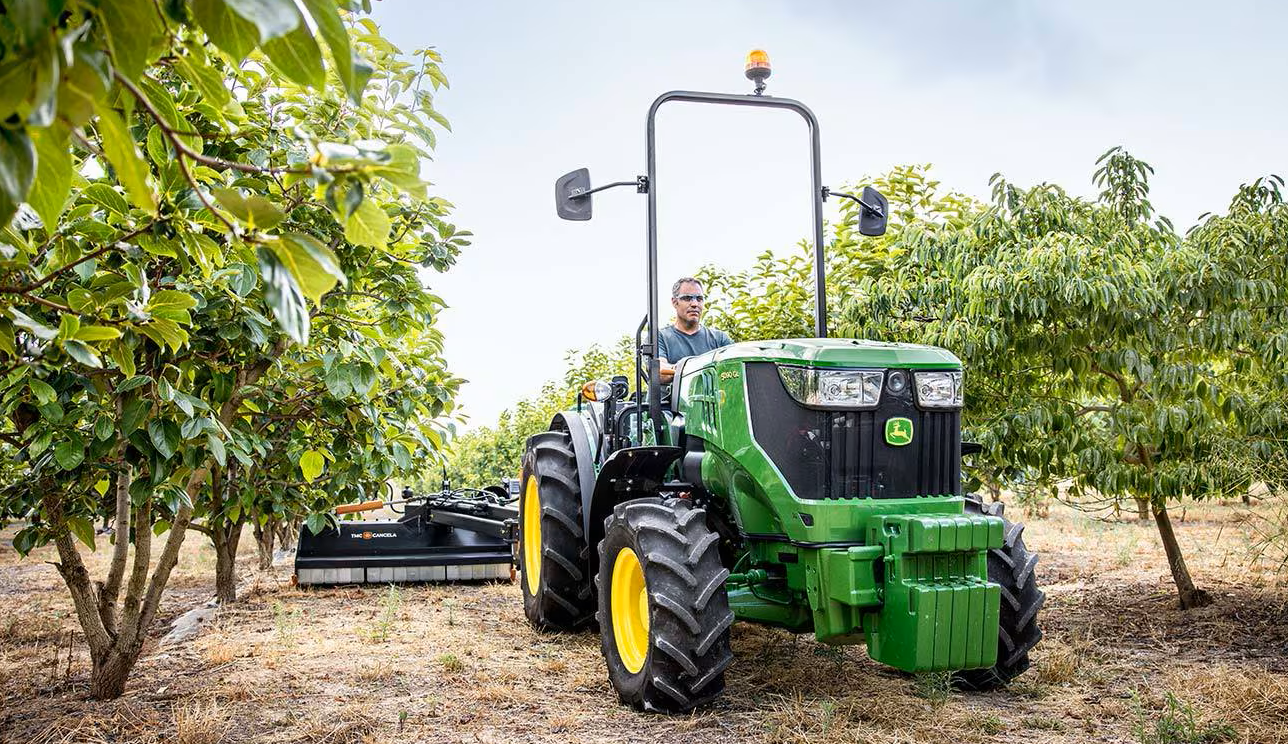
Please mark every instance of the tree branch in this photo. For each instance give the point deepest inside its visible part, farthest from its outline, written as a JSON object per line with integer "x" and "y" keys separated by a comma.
{"x": 111, "y": 588}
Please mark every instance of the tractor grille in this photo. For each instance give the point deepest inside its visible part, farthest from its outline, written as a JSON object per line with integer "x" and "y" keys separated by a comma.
{"x": 843, "y": 454}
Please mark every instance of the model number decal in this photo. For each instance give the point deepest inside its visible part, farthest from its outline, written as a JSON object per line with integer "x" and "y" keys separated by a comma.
{"x": 731, "y": 375}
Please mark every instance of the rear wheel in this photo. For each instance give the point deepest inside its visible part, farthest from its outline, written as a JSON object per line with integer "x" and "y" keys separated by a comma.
{"x": 1012, "y": 567}
{"x": 663, "y": 611}
{"x": 552, "y": 544}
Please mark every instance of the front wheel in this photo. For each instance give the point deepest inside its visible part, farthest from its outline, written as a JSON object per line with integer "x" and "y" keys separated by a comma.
{"x": 1012, "y": 567}
{"x": 663, "y": 610}
{"x": 552, "y": 544}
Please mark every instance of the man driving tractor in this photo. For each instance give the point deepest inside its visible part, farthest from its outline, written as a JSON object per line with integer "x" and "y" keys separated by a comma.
{"x": 687, "y": 336}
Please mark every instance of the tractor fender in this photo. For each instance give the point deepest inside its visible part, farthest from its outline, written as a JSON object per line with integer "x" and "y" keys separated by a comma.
{"x": 630, "y": 472}
{"x": 581, "y": 447}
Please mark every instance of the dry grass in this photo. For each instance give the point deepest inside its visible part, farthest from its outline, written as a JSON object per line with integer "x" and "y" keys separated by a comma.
{"x": 199, "y": 722}
{"x": 459, "y": 663}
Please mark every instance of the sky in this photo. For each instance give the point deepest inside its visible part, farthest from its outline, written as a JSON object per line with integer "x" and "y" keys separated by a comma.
{"x": 1034, "y": 90}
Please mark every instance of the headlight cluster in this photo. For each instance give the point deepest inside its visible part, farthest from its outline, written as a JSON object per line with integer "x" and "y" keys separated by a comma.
{"x": 862, "y": 388}
{"x": 939, "y": 389}
{"x": 833, "y": 388}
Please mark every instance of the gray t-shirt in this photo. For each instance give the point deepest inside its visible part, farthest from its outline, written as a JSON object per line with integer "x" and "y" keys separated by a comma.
{"x": 674, "y": 344}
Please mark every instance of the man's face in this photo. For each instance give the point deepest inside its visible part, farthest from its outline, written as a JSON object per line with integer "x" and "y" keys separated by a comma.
{"x": 688, "y": 303}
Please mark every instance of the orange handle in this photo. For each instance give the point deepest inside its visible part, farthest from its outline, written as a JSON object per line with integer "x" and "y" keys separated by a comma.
{"x": 364, "y": 506}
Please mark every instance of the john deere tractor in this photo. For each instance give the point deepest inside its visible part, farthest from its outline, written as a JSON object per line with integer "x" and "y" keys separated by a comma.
{"x": 811, "y": 484}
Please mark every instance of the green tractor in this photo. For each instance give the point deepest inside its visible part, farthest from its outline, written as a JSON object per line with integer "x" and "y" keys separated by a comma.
{"x": 810, "y": 484}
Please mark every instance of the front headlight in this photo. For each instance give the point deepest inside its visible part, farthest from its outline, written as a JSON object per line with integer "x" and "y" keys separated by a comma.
{"x": 939, "y": 389}
{"x": 833, "y": 388}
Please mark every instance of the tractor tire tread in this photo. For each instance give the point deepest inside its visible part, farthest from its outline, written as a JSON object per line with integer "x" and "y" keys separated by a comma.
{"x": 563, "y": 601}
{"x": 690, "y": 618}
{"x": 1013, "y": 567}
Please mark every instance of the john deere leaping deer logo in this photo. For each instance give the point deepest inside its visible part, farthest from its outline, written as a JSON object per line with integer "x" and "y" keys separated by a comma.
{"x": 898, "y": 431}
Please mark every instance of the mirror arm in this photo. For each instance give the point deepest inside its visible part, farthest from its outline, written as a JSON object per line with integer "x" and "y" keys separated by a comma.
{"x": 870, "y": 208}
{"x": 640, "y": 183}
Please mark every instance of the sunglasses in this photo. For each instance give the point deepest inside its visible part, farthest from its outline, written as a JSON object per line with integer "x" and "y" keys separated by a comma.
{"x": 690, "y": 298}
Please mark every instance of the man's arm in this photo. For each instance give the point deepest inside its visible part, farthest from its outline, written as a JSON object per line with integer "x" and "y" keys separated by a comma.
{"x": 667, "y": 370}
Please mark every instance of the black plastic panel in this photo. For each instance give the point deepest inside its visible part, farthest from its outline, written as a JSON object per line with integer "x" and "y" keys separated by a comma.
{"x": 843, "y": 454}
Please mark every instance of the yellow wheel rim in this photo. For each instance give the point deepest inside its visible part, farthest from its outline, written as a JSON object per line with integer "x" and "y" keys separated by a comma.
{"x": 630, "y": 610}
{"x": 531, "y": 535}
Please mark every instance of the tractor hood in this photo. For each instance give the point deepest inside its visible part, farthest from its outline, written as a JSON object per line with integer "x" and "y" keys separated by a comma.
{"x": 832, "y": 352}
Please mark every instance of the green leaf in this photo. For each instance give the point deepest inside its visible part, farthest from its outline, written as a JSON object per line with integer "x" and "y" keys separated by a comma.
{"x": 96, "y": 333}
{"x": 132, "y": 383}
{"x": 8, "y": 342}
{"x": 235, "y": 35}
{"x": 165, "y": 436}
{"x": 206, "y": 80}
{"x": 163, "y": 102}
{"x": 71, "y": 453}
{"x": 124, "y": 155}
{"x": 123, "y": 356}
{"x": 216, "y": 446}
{"x": 284, "y": 296}
{"x": 256, "y": 211}
{"x": 108, "y": 197}
{"x": 86, "y": 81}
{"x": 82, "y": 353}
{"x": 15, "y": 76}
{"x": 25, "y": 540}
{"x": 314, "y": 266}
{"x": 368, "y": 225}
{"x": 273, "y": 18}
{"x": 103, "y": 427}
{"x": 311, "y": 465}
{"x": 68, "y": 325}
{"x": 53, "y": 177}
{"x": 133, "y": 414}
{"x": 83, "y": 529}
{"x": 316, "y": 523}
{"x": 298, "y": 56}
{"x": 402, "y": 456}
{"x": 132, "y": 28}
{"x": 333, "y": 32}
{"x": 32, "y": 326}
{"x": 164, "y": 332}
{"x": 43, "y": 391}
{"x": 171, "y": 299}
{"x": 17, "y": 168}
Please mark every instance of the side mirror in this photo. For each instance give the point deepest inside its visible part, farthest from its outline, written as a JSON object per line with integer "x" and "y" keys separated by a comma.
{"x": 873, "y": 214}
{"x": 572, "y": 200}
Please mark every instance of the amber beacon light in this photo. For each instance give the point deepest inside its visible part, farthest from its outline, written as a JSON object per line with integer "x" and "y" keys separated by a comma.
{"x": 758, "y": 68}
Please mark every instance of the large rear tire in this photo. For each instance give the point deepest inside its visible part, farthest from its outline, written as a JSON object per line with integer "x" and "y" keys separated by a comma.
{"x": 552, "y": 543}
{"x": 663, "y": 609}
{"x": 1012, "y": 567}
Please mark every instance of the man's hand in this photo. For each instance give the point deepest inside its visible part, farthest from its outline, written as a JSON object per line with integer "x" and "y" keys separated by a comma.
{"x": 666, "y": 371}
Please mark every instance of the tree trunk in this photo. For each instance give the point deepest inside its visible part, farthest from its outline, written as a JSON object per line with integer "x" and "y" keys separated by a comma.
{"x": 107, "y": 678}
{"x": 115, "y": 633}
{"x": 1142, "y": 510}
{"x": 225, "y": 537}
{"x": 1190, "y": 595}
{"x": 265, "y": 537}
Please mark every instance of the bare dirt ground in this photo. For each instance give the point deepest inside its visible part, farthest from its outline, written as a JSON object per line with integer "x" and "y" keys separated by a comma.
{"x": 459, "y": 663}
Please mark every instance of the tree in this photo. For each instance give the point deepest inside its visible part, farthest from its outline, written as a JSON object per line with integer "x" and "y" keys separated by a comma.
{"x": 1100, "y": 345}
{"x": 1120, "y": 346}
{"x": 190, "y": 170}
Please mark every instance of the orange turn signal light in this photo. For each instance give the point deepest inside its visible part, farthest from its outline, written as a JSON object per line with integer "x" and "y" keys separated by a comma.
{"x": 596, "y": 390}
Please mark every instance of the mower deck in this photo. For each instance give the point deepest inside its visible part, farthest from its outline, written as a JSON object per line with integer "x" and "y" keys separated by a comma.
{"x": 437, "y": 540}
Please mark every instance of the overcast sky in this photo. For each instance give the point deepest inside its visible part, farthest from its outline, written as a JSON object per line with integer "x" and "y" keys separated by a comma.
{"x": 1034, "y": 90}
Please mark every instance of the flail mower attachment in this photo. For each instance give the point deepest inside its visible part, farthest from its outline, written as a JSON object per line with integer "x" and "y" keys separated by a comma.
{"x": 450, "y": 535}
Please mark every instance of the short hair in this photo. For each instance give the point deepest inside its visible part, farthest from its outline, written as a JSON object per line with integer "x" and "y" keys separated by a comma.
{"x": 675, "y": 288}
